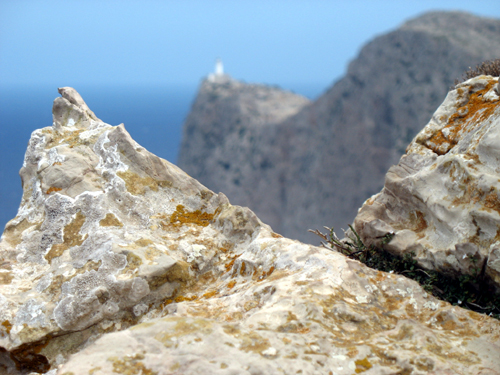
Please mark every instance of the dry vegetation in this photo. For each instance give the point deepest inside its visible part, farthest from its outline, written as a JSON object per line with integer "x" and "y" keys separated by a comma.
{"x": 488, "y": 68}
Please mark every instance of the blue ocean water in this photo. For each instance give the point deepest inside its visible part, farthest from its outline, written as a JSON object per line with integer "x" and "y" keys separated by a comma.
{"x": 152, "y": 115}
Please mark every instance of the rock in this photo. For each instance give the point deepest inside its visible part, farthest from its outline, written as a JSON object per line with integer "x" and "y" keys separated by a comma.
{"x": 321, "y": 164}
{"x": 442, "y": 199}
{"x": 136, "y": 268}
{"x": 229, "y": 123}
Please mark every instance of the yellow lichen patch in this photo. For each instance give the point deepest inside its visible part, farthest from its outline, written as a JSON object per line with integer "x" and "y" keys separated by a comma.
{"x": 210, "y": 294}
{"x": 243, "y": 268}
{"x": 5, "y": 277}
{"x": 53, "y": 189}
{"x": 185, "y": 298}
{"x": 181, "y": 216}
{"x": 71, "y": 237}
{"x": 110, "y": 220}
{"x": 183, "y": 327}
{"x": 231, "y": 284}
{"x": 71, "y": 137}
{"x": 464, "y": 120}
{"x": 133, "y": 262}
{"x": 179, "y": 272}
{"x": 228, "y": 266}
{"x": 362, "y": 365}
{"x": 472, "y": 194}
{"x": 491, "y": 201}
{"x": 264, "y": 274}
{"x": 137, "y": 185}
{"x": 144, "y": 242}
{"x": 252, "y": 342}
{"x": 130, "y": 365}
{"x": 7, "y": 325}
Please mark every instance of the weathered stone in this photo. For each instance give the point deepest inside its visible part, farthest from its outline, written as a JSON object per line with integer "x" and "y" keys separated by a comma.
{"x": 442, "y": 199}
{"x": 149, "y": 272}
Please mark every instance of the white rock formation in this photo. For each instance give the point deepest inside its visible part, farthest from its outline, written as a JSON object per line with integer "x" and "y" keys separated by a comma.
{"x": 442, "y": 199}
{"x": 119, "y": 262}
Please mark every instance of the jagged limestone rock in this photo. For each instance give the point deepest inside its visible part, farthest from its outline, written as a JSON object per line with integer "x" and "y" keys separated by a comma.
{"x": 119, "y": 262}
{"x": 442, "y": 199}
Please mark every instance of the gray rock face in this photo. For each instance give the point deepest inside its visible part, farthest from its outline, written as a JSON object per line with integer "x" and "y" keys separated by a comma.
{"x": 223, "y": 136}
{"x": 442, "y": 199}
{"x": 119, "y": 262}
{"x": 332, "y": 155}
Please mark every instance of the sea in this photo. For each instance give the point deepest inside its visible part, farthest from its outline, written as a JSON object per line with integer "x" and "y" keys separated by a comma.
{"x": 153, "y": 115}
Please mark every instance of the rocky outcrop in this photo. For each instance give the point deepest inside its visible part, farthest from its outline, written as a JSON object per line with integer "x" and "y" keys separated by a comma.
{"x": 442, "y": 199}
{"x": 223, "y": 136}
{"x": 326, "y": 160}
{"x": 119, "y": 262}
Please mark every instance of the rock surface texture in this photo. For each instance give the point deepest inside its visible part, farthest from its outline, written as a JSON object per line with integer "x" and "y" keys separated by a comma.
{"x": 119, "y": 262}
{"x": 320, "y": 165}
{"x": 442, "y": 199}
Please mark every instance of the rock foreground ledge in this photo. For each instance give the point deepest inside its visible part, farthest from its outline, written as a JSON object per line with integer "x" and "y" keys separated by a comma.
{"x": 442, "y": 200}
{"x": 119, "y": 262}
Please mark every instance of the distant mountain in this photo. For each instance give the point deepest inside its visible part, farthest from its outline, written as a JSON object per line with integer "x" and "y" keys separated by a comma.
{"x": 303, "y": 165}
{"x": 224, "y": 137}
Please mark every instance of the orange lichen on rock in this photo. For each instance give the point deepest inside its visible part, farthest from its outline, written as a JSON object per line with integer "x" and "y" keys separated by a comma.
{"x": 138, "y": 185}
{"x": 464, "y": 120}
{"x": 181, "y": 216}
{"x": 53, "y": 189}
{"x": 184, "y": 298}
{"x": 209, "y": 294}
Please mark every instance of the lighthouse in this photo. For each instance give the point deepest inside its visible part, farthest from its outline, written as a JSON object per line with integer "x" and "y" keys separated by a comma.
{"x": 218, "y": 74}
{"x": 219, "y": 68}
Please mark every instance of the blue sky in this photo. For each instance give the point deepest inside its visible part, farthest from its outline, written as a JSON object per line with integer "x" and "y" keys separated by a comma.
{"x": 105, "y": 42}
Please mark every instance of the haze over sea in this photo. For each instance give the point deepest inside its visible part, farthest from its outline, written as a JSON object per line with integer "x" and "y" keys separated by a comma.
{"x": 153, "y": 115}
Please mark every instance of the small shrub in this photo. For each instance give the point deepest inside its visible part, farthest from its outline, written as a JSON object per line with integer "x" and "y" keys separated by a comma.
{"x": 488, "y": 68}
{"x": 467, "y": 291}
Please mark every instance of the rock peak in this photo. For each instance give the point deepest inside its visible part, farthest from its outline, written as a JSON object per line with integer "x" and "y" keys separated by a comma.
{"x": 71, "y": 110}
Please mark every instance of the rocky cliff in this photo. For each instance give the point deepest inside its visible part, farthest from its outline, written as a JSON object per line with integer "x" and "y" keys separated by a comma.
{"x": 323, "y": 162}
{"x": 224, "y": 135}
{"x": 119, "y": 262}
